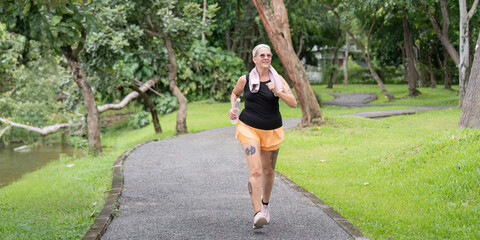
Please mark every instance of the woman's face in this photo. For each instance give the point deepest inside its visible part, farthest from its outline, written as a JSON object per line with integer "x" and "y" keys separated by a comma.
{"x": 263, "y": 58}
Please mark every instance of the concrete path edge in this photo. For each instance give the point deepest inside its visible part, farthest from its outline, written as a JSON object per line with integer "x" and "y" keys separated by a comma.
{"x": 111, "y": 207}
{"x": 339, "y": 219}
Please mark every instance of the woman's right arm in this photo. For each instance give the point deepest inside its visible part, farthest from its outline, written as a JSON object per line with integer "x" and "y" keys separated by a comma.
{"x": 237, "y": 91}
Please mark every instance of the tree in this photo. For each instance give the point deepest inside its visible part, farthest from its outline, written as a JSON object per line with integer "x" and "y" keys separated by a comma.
{"x": 411, "y": 66}
{"x": 163, "y": 20}
{"x": 345, "y": 61}
{"x": 119, "y": 56}
{"x": 360, "y": 10}
{"x": 446, "y": 58}
{"x": 470, "y": 115}
{"x": 462, "y": 57}
{"x": 275, "y": 21}
{"x": 61, "y": 26}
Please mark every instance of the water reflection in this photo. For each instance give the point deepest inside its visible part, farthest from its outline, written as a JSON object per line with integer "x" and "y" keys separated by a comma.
{"x": 14, "y": 164}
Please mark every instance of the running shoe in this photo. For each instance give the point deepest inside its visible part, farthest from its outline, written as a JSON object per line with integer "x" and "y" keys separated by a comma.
{"x": 259, "y": 220}
{"x": 266, "y": 212}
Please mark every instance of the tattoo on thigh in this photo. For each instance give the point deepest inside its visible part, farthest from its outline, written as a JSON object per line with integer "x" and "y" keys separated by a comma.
{"x": 250, "y": 190}
{"x": 273, "y": 157}
{"x": 250, "y": 150}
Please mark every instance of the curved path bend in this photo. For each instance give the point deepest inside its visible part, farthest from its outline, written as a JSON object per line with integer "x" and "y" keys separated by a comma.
{"x": 194, "y": 187}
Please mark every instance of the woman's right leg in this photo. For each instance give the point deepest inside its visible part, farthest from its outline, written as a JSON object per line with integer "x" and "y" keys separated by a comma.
{"x": 252, "y": 152}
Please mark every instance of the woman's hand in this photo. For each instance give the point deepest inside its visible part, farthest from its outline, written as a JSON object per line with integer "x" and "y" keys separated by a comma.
{"x": 272, "y": 87}
{"x": 231, "y": 114}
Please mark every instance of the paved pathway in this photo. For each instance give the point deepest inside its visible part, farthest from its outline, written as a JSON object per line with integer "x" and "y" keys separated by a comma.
{"x": 194, "y": 187}
{"x": 360, "y": 100}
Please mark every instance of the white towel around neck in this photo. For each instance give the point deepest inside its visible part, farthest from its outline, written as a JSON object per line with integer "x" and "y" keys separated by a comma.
{"x": 254, "y": 79}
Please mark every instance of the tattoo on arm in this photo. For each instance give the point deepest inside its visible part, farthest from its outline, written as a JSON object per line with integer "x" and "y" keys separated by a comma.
{"x": 273, "y": 158}
{"x": 250, "y": 150}
{"x": 250, "y": 190}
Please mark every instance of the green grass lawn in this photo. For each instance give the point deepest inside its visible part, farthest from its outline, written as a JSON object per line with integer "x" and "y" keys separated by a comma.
{"x": 422, "y": 172}
{"x": 407, "y": 177}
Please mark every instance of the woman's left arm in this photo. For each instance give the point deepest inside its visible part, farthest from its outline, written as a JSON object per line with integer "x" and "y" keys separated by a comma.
{"x": 286, "y": 94}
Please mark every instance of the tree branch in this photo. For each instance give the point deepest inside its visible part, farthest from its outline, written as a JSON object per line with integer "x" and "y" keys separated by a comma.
{"x": 80, "y": 44}
{"x": 149, "y": 20}
{"x": 140, "y": 84}
{"x": 371, "y": 30}
{"x": 43, "y": 131}
{"x": 54, "y": 128}
{"x": 443, "y": 39}
{"x": 155, "y": 34}
{"x": 127, "y": 99}
{"x": 4, "y": 130}
{"x": 472, "y": 10}
{"x": 11, "y": 92}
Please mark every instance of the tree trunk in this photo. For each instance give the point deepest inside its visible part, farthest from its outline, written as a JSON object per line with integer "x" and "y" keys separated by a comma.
{"x": 88, "y": 99}
{"x": 433, "y": 81}
{"x": 470, "y": 116}
{"x": 412, "y": 74}
{"x": 204, "y": 18}
{"x": 464, "y": 52}
{"x": 404, "y": 62}
{"x": 419, "y": 68}
{"x": 151, "y": 107}
{"x": 345, "y": 62}
{"x": 276, "y": 25}
{"x": 172, "y": 77}
{"x": 446, "y": 56}
{"x": 377, "y": 78}
{"x": 333, "y": 74}
{"x": 447, "y": 71}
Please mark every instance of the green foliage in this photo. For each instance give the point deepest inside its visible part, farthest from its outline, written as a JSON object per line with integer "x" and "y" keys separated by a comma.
{"x": 140, "y": 120}
{"x": 55, "y": 23}
{"x": 208, "y": 72}
{"x": 166, "y": 104}
{"x": 312, "y": 26}
{"x": 116, "y": 51}
{"x": 40, "y": 98}
{"x": 11, "y": 48}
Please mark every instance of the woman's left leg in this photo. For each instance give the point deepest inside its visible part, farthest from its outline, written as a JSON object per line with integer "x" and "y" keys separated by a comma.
{"x": 269, "y": 160}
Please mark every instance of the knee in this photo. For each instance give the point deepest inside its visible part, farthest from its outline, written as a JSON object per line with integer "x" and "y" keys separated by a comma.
{"x": 269, "y": 171}
{"x": 256, "y": 173}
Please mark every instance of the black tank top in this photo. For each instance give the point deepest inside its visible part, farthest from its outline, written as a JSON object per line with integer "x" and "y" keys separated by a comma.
{"x": 261, "y": 108}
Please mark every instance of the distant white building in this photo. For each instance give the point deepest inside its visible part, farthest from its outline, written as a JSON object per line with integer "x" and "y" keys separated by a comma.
{"x": 325, "y": 55}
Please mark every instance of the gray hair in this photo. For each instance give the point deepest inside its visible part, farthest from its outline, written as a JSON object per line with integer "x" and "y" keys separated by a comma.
{"x": 254, "y": 52}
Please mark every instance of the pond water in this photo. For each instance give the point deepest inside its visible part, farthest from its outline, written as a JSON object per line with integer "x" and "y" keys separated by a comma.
{"x": 14, "y": 164}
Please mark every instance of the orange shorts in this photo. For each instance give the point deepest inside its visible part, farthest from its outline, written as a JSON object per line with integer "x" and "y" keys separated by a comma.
{"x": 269, "y": 139}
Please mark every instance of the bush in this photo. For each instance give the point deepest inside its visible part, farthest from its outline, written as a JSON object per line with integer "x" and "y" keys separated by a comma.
{"x": 140, "y": 120}
{"x": 166, "y": 104}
